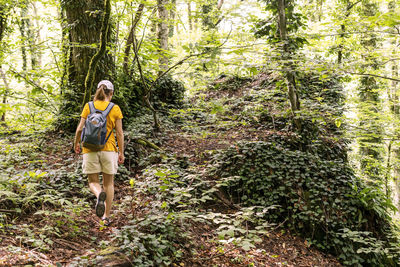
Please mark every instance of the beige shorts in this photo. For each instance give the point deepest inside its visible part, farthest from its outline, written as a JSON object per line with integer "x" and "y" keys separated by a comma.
{"x": 101, "y": 161}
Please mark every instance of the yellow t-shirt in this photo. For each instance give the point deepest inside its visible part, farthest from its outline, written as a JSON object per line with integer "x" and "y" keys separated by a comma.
{"x": 114, "y": 115}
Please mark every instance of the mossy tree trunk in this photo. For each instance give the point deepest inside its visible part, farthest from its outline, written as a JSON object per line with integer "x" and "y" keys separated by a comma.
{"x": 83, "y": 25}
{"x": 91, "y": 74}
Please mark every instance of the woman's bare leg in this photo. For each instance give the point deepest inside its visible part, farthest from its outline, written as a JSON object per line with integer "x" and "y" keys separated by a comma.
{"x": 108, "y": 184}
{"x": 94, "y": 184}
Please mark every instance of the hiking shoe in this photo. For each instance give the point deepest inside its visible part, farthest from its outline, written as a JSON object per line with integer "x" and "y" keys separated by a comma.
{"x": 100, "y": 207}
{"x": 106, "y": 221}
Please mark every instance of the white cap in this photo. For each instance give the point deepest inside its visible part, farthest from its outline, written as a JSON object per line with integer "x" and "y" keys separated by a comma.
{"x": 107, "y": 83}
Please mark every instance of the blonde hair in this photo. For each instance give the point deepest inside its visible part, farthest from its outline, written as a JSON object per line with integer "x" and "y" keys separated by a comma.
{"x": 102, "y": 92}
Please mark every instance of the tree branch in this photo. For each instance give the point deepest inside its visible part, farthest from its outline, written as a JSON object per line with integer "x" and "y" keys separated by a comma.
{"x": 130, "y": 40}
{"x": 373, "y": 75}
{"x": 31, "y": 82}
{"x": 187, "y": 57}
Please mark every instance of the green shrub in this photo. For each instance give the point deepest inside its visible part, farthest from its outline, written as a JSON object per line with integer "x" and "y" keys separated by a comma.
{"x": 316, "y": 193}
{"x": 153, "y": 241}
{"x": 168, "y": 92}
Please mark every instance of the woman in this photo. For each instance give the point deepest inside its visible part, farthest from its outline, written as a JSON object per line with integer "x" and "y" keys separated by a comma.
{"x": 105, "y": 161}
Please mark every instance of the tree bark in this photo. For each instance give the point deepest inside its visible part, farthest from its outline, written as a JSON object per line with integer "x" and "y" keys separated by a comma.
{"x": 162, "y": 35}
{"x": 220, "y": 3}
{"x": 7, "y": 89}
{"x": 22, "y": 24}
{"x": 91, "y": 74}
{"x": 33, "y": 38}
{"x": 371, "y": 146}
{"x": 349, "y": 7}
{"x": 289, "y": 74}
{"x": 3, "y": 25}
{"x": 147, "y": 89}
{"x": 172, "y": 15}
{"x": 84, "y": 20}
{"x": 189, "y": 11}
{"x": 83, "y": 26}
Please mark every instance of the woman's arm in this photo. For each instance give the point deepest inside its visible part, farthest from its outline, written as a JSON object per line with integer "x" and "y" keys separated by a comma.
{"x": 120, "y": 140}
{"x": 78, "y": 133}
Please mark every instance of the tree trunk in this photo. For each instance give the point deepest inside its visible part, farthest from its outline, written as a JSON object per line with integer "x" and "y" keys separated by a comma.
{"x": 22, "y": 24}
{"x": 162, "y": 35}
{"x": 371, "y": 143}
{"x": 349, "y": 7}
{"x": 340, "y": 47}
{"x": 3, "y": 25}
{"x": 91, "y": 74}
{"x": 34, "y": 38}
{"x": 289, "y": 73}
{"x": 189, "y": 11}
{"x": 84, "y": 20}
{"x": 7, "y": 89}
{"x": 172, "y": 15}
{"x": 131, "y": 37}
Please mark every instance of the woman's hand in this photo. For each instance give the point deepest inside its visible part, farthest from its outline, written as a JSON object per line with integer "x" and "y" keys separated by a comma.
{"x": 121, "y": 158}
{"x": 77, "y": 139}
{"x": 77, "y": 148}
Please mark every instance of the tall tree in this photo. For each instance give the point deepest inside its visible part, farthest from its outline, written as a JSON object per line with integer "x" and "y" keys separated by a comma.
{"x": 211, "y": 13}
{"x": 30, "y": 36}
{"x": 371, "y": 146}
{"x": 4, "y": 13}
{"x": 172, "y": 18}
{"x": 290, "y": 76}
{"x": 344, "y": 16}
{"x": 394, "y": 102}
{"x": 190, "y": 16}
{"x": 131, "y": 38}
{"x": 91, "y": 73}
{"x": 83, "y": 24}
{"x": 287, "y": 22}
{"x": 162, "y": 35}
{"x": 23, "y": 28}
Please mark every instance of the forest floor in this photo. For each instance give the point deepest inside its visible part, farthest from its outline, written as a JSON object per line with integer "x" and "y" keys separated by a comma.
{"x": 59, "y": 226}
{"x": 278, "y": 248}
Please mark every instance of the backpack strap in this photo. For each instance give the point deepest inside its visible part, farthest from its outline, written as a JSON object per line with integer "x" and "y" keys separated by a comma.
{"x": 92, "y": 109}
{"x": 108, "y": 109}
{"x": 105, "y": 113}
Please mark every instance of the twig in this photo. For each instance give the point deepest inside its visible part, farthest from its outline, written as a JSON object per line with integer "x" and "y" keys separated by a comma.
{"x": 29, "y": 81}
{"x": 36, "y": 103}
{"x": 317, "y": 35}
{"x": 373, "y": 75}
{"x": 186, "y": 58}
{"x": 73, "y": 246}
{"x": 278, "y": 226}
{"x": 126, "y": 257}
{"x": 217, "y": 255}
{"x": 8, "y": 211}
{"x": 42, "y": 259}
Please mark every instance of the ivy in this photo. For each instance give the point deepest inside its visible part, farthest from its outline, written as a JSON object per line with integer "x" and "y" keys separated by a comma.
{"x": 316, "y": 193}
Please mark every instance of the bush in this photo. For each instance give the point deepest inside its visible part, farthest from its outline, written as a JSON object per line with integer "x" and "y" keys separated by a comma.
{"x": 317, "y": 194}
{"x": 168, "y": 91}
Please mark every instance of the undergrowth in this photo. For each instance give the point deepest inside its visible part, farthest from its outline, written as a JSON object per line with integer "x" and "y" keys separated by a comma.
{"x": 272, "y": 177}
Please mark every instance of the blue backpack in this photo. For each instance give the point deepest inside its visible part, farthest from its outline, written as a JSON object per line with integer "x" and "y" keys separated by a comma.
{"x": 94, "y": 134}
